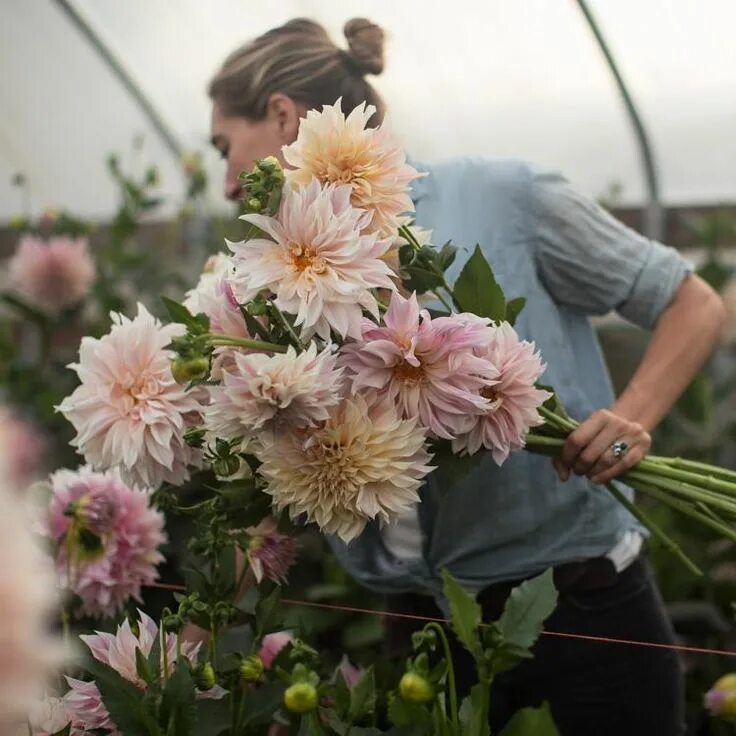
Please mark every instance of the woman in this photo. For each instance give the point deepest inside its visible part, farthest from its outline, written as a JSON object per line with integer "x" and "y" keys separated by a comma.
{"x": 495, "y": 526}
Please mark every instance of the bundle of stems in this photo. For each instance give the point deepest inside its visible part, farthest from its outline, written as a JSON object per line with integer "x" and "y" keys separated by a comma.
{"x": 705, "y": 493}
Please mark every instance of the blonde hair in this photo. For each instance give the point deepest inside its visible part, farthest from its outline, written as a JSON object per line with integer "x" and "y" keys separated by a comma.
{"x": 300, "y": 60}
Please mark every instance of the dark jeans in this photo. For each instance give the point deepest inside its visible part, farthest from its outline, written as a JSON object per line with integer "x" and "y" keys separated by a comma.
{"x": 595, "y": 688}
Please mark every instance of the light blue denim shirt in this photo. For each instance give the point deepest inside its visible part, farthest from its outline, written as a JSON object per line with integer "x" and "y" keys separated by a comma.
{"x": 570, "y": 259}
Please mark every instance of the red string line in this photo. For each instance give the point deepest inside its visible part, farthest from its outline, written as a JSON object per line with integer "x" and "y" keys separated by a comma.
{"x": 429, "y": 619}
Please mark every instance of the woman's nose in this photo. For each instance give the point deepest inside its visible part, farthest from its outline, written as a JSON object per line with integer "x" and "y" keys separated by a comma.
{"x": 232, "y": 188}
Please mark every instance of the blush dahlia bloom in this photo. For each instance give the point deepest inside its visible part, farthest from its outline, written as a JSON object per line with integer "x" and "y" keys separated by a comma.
{"x": 260, "y": 391}
{"x": 426, "y": 366}
{"x": 318, "y": 264}
{"x": 336, "y": 149}
{"x": 514, "y": 399}
{"x": 108, "y": 538}
{"x": 129, "y": 412}
{"x": 52, "y": 274}
{"x": 83, "y": 701}
{"x": 48, "y": 716}
{"x": 364, "y": 463}
{"x": 26, "y": 447}
{"x": 272, "y": 645}
{"x": 270, "y": 554}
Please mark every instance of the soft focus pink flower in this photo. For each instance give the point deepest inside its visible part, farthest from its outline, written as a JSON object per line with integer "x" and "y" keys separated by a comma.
{"x": 426, "y": 366}
{"x": 260, "y": 391}
{"x": 119, "y": 518}
{"x": 129, "y": 412}
{"x": 363, "y": 463}
{"x": 514, "y": 399}
{"x": 270, "y": 554}
{"x": 48, "y": 716}
{"x": 83, "y": 701}
{"x": 271, "y": 645}
{"x": 351, "y": 674}
{"x": 52, "y": 274}
{"x": 26, "y": 448}
{"x": 340, "y": 150}
{"x": 316, "y": 262}
{"x": 27, "y": 595}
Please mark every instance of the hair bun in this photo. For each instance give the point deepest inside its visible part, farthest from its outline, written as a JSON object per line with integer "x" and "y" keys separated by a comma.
{"x": 365, "y": 41}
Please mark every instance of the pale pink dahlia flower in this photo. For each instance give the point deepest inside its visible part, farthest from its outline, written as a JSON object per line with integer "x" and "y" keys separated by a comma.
{"x": 514, "y": 398}
{"x": 25, "y": 448}
{"x": 426, "y": 366}
{"x": 364, "y": 463}
{"x": 270, "y": 553}
{"x": 316, "y": 262}
{"x": 48, "y": 716}
{"x": 213, "y": 296}
{"x": 340, "y": 150}
{"x": 52, "y": 274}
{"x": 260, "y": 391}
{"x": 129, "y": 412}
{"x": 108, "y": 538}
{"x": 83, "y": 700}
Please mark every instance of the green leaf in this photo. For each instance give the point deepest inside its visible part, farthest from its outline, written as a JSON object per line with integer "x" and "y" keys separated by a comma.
{"x": 179, "y": 313}
{"x": 143, "y": 669}
{"x": 310, "y": 725}
{"x": 526, "y": 610}
{"x": 123, "y": 700}
{"x": 513, "y": 308}
{"x": 213, "y": 717}
{"x": 268, "y": 612}
{"x": 465, "y": 614}
{"x": 403, "y": 713}
{"x": 446, "y": 256}
{"x": 476, "y": 289}
{"x": 262, "y": 703}
{"x": 363, "y": 697}
{"x": 554, "y": 403}
{"x": 178, "y": 701}
{"x": 531, "y": 722}
{"x": 472, "y": 717}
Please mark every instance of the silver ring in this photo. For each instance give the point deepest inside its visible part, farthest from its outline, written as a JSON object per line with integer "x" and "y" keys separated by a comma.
{"x": 619, "y": 449}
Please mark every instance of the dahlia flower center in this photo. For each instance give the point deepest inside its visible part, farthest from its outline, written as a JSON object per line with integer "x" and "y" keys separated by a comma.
{"x": 408, "y": 373}
{"x": 134, "y": 389}
{"x": 490, "y": 393}
{"x": 335, "y": 468}
{"x": 303, "y": 258}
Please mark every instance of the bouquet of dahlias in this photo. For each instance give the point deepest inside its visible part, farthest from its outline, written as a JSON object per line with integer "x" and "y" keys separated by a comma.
{"x": 302, "y": 380}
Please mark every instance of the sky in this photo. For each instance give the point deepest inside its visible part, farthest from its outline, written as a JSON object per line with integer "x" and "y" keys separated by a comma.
{"x": 492, "y": 78}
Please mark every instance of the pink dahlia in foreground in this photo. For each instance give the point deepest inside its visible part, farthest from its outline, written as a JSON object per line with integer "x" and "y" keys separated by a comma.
{"x": 363, "y": 463}
{"x": 316, "y": 261}
{"x": 129, "y": 412}
{"x": 52, "y": 274}
{"x": 108, "y": 538}
{"x": 335, "y": 149}
{"x": 260, "y": 391}
{"x": 83, "y": 701}
{"x": 514, "y": 398}
{"x": 48, "y": 716}
{"x": 25, "y": 448}
{"x": 270, "y": 554}
{"x": 426, "y": 366}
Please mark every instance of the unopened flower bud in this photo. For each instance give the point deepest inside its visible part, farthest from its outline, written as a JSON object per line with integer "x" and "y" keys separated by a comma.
{"x": 204, "y": 677}
{"x": 184, "y": 371}
{"x": 224, "y": 467}
{"x": 301, "y": 697}
{"x": 720, "y": 700}
{"x": 415, "y": 689}
{"x": 251, "y": 668}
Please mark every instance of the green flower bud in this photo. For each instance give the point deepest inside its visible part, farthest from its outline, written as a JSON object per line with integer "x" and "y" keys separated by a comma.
{"x": 184, "y": 371}
{"x": 204, "y": 676}
{"x": 251, "y": 668}
{"x": 415, "y": 689}
{"x": 224, "y": 467}
{"x": 301, "y": 697}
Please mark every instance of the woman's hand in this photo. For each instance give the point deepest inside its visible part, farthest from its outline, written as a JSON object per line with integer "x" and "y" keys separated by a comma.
{"x": 603, "y": 447}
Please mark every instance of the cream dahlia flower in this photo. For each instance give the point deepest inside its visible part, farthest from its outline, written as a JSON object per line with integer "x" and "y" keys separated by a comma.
{"x": 341, "y": 150}
{"x": 260, "y": 391}
{"x": 129, "y": 412}
{"x": 316, "y": 261}
{"x": 364, "y": 463}
{"x": 218, "y": 267}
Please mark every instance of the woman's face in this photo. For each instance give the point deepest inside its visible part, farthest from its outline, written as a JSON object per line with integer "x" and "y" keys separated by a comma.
{"x": 241, "y": 141}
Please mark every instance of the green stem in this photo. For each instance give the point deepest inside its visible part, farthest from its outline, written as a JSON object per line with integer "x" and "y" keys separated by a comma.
{"x": 557, "y": 421}
{"x": 213, "y": 642}
{"x": 444, "y": 301}
{"x": 702, "y": 481}
{"x": 289, "y": 328}
{"x": 454, "y": 713}
{"x": 655, "y": 529}
{"x": 242, "y": 342}
{"x": 694, "y": 466}
{"x": 164, "y": 654}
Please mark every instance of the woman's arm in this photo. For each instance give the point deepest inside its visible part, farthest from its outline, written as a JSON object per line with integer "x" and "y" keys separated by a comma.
{"x": 683, "y": 339}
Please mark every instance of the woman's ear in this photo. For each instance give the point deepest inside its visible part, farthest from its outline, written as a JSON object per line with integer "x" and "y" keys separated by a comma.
{"x": 285, "y": 114}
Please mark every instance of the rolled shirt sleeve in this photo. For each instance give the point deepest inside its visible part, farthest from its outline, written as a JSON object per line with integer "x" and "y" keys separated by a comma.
{"x": 590, "y": 261}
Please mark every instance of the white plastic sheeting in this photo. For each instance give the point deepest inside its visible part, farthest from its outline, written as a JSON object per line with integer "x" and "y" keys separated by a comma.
{"x": 492, "y": 77}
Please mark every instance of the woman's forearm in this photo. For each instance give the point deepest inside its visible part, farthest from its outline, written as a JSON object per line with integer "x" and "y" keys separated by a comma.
{"x": 683, "y": 339}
